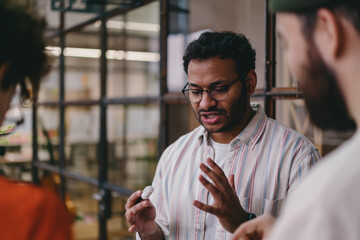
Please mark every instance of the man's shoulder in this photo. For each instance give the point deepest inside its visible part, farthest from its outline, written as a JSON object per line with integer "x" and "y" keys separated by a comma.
{"x": 190, "y": 136}
{"x": 285, "y": 131}
{"x": 185, "y": 143}
{"x": 25, "y": 199}
{"x": 19, "y": 190}
{"x": 269, "y": 130}
{"x": 24, "y": 194}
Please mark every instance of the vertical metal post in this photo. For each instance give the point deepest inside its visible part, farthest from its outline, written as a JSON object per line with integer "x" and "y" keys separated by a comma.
{"x": 62, "y": 163}
{"x": 270, "y": 57}
{"x": 164, "y": 32}
{"x": 125, "y": 106}
{"x": 34, "y": 169}
{"x": 104, "y": 203}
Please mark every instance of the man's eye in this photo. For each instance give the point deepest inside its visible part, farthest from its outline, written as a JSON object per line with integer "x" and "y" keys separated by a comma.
{"x": 219, "y": 90}
{"x": 195, "y": 92}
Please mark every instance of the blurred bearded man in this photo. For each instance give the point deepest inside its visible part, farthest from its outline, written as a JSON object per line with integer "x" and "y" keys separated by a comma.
{"x": 321, "y": 40}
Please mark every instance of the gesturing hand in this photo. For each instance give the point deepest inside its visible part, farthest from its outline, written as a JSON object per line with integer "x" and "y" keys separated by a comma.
{"x": 140, "y": 216}
{"x": 255, "y": 229}
{"x": 227, "y": 206}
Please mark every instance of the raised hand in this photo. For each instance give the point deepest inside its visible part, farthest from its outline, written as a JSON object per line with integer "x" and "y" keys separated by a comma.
{"x": 227, "y": 206}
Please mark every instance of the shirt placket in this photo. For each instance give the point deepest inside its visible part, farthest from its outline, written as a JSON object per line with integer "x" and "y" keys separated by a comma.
{"x": 200, "y": 223}
{"x": 220, "y": 232}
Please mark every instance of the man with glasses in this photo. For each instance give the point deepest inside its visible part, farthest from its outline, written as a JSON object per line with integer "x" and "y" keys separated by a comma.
{"x": 236, "y": 165}
{"x": 26, "y": 211}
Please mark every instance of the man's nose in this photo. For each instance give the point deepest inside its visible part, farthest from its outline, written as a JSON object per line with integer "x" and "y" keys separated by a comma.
{"x": 206, "y": 101}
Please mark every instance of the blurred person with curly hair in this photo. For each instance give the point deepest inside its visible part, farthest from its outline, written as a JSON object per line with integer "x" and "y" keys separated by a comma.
{"x": 26, "y": 211}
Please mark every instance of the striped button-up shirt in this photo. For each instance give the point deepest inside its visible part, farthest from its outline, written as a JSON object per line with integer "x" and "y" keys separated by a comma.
{"x": 267, "y": 159}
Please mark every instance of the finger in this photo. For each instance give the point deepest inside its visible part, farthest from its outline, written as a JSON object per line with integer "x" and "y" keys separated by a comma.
{"x": 130, "y": 218}
{"x": 136, "y": 209}
{"x": 220, "y": 183}
{"x": 133, "y": 229}
{"x": 241, "y": 233}
{"x": 205, "y": 207}
{"x": 218, "y": 180}
{"x": 242, "y": 238}
{"x": 214, "y": 191}
{"x": 215, "y": 168}
{"x": 247, "y": 237}
{"x": 250, "y": 229}
{"x": 132, "y": 199}
{"x": 231, "y": 180}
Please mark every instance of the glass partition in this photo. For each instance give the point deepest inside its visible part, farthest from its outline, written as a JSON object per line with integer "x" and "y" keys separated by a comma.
{"x": 132, "y": 138}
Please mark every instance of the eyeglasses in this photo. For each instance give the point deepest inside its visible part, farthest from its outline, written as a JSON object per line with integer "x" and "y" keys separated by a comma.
{"x": 216, "y": 93}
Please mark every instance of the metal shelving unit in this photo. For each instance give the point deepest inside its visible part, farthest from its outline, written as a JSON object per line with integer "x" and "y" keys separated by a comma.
{"x": 105, "y": 188}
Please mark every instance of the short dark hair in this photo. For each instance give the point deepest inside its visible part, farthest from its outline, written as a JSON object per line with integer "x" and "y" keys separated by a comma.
{"x": 225, "y": 45}
{"x": 22, "y": 45}
{"x": 349, "y": 11}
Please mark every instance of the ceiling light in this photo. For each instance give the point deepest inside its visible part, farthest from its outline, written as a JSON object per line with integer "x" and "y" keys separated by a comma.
{"x": 135, "y": 26}
{"x": 110, "y": 54}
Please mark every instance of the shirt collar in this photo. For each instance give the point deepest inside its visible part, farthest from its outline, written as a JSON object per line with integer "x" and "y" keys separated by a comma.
{"x": 249, "y": 136}
{"x": 254, "y": 130}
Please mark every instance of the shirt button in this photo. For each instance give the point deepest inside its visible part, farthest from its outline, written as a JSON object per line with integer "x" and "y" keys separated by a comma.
{"x": 197, "y": 226}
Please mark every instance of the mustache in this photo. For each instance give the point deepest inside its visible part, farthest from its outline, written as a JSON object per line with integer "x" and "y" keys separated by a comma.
{"x": 219, "y": 110}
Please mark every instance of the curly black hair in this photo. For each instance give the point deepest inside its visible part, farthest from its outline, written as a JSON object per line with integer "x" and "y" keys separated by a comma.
{"x": 22, "y": 46}
{"x": 224, "y": 44}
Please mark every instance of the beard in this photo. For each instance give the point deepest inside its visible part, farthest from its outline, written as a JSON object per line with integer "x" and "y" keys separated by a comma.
{"x": 232, "y": 117}
{"x": 322, "y": 95}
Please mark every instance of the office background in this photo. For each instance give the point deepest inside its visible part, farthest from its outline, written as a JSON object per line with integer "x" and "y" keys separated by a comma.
{"x": 112, "y": 101}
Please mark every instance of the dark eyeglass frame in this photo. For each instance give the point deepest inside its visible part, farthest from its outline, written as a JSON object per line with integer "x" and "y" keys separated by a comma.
{"x": 209, "y": 91}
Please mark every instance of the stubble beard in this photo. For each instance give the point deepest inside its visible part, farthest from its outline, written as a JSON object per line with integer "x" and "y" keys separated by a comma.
{"x": 322, "y": 95}
{"x": 233, "y": 117}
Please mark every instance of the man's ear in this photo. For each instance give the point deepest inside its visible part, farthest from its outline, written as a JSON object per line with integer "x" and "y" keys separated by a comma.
{"x": 328, "y": 34}
{"x": 251, "y": 81}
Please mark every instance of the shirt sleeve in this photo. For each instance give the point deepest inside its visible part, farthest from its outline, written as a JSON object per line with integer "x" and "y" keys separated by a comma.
{"x": 161, "y": 196}
{"x": 53, "y": 220}
{"x": 301, "y": 167}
